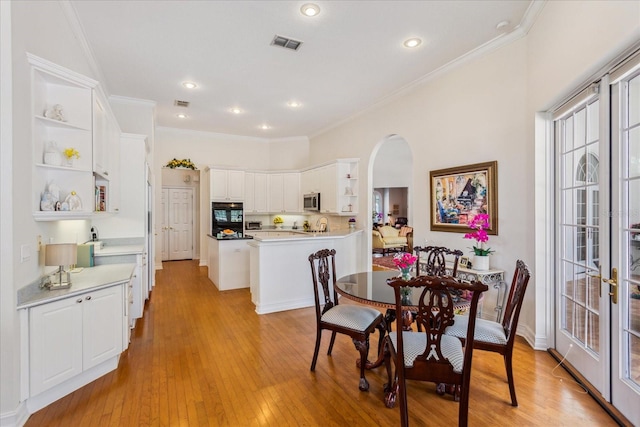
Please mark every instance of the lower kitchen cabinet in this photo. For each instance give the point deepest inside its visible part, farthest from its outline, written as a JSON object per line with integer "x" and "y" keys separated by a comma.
{"x": 72, "y": 335}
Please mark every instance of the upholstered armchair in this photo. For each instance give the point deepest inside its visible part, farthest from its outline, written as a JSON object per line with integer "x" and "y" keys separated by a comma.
{"x": 387, "y": 238}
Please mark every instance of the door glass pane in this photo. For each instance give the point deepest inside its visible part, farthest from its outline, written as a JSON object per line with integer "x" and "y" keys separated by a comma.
{"x": 634, "y": 152}
{"x": 634, "y": 101}
{"x": 580, "y": 228}
{"x": 593, "y": 332}
{"x": 634, "y": 359}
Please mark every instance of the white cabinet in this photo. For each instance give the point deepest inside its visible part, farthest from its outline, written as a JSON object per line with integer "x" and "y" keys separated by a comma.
{"x": 106, "y": 156}
{"x": 328, "y": 189}
{"x": 310, "y": 181}
{"x": 69, "y": 336}
{"x": 255, "y": 192}
{"x": 337, "y": 184}
{"x": 284, "y": 192}
{"x": 61, "y": 105}
{"x": 226, "y": 185}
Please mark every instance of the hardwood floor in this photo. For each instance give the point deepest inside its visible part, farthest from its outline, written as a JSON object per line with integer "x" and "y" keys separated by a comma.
{"x": 200, "y": 357}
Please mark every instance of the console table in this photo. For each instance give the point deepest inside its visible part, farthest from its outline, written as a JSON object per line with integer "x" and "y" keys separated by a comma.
{"x": 493, "y": 278}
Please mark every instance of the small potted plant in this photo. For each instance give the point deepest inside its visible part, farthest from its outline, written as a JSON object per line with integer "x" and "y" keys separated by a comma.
{"x": 70, "y": 153}
{"x": 480, "y": 224}
{"x": 352, "y": 223}
{"x": 277, "y": 221}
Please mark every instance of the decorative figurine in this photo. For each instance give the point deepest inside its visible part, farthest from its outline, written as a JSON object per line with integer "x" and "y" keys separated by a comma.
{"x": 74, "y": 202}
{"x": 55, "y": 113}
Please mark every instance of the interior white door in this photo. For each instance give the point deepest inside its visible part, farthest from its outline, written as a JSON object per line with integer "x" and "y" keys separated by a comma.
{"x": 180, "y": 223}
{"x": 163, "y": 219}
{"x": 177, "y": 222}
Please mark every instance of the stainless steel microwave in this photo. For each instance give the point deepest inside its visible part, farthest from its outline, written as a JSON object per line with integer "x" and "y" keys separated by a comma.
{"x": 311, "y": 202}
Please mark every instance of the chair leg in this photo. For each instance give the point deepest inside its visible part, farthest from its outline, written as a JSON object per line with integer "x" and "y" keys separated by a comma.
{"x": 382, "y": 327}
{"x": 391, "y": 387}
{"x": 363, "y": 348}
{"x": 333, "y": 339}
{"x": 508, "y": 364}
{"x": 315, "y": 352}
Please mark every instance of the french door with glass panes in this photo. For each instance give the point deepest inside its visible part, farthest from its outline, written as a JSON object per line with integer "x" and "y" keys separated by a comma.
{"x": 598, "y": 238}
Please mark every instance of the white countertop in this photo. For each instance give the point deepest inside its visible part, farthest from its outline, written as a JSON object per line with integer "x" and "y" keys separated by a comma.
{"x": 119, "y": 250}
{"x": 304, "y": 235}
{"x": 88, "y": 279}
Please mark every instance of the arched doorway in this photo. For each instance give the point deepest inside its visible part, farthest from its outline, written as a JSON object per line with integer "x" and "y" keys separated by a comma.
{"x": 389, "y": 182}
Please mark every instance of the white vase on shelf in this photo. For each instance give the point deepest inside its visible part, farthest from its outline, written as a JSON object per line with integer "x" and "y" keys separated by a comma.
{"x": 481, "y": 262}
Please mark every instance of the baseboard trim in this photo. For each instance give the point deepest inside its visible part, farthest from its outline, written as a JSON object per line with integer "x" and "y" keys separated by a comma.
{"x": 15, "y": 418}
{"x": 593, "y": 392}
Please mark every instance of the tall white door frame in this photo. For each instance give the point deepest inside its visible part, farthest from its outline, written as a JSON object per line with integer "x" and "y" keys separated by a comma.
{"x": 177, "y": 224}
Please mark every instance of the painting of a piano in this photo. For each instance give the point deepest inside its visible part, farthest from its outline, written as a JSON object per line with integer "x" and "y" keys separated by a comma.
{"x": 459, "y": 194}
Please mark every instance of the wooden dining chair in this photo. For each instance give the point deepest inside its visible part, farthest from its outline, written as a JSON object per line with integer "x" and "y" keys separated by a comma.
{"x": 353, "y": 320}
{"x": 499, "y": 337}
{"x": 435, "y": 260}
{"x": 430, "y": 355}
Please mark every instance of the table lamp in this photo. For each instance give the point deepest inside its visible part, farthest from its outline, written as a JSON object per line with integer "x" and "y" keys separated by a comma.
{"x": 61, "y": 254}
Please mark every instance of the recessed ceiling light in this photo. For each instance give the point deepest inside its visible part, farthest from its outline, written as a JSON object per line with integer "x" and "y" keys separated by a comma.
{"x": 310, "y": 9}
{"x": 294, "y": 104}
{"x": 412, "y": 42}
{"x": 181, "y": 116}
{"x": 265, "y": 127}
{"x": 236, "y": 110}
{"x": 190, "y": 85}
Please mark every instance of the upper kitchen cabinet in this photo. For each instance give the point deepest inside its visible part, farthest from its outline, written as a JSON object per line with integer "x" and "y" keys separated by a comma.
{"x": 328, "y": 189}
{"x": 62, "y": 142}
{"x": 255, "y": 192}
{"x": 337, "y": 184}
{"x": 227, "y": 185}
{"x": 310, "y": 181}
{"x": 284, "y": 192}
{"x": 106, "y": 155}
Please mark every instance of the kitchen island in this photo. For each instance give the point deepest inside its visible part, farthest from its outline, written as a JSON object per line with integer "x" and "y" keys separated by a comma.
{"x": 280, "y": 275}
{"x": 229, "y": 262}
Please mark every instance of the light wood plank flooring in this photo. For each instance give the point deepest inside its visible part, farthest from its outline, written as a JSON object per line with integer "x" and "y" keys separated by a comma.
{"x": 200, "y": 357}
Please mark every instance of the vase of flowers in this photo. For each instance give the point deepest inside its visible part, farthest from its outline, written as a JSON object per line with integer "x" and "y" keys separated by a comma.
{"x": 479, "y": 224}
{"x": 69, "y": 154}
{"x": 352, "y": 223}
{"x": 404, "y": 262}
{"x": 277, "y": 221}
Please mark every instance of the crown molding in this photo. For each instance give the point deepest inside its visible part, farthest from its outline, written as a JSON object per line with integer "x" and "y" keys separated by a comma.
{"x": 128, "y": 100}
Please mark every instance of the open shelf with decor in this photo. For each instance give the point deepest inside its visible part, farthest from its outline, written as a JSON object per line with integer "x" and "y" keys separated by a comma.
{"x": 62, "y": 141}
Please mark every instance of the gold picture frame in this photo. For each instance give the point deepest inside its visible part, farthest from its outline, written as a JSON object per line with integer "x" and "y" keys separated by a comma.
{"x": 460, "y": 193}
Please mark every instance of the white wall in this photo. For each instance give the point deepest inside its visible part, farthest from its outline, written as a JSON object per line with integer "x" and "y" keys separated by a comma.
{"x": 484, "y": 110}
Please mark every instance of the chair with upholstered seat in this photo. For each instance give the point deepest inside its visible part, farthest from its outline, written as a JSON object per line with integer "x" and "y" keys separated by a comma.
{"x": 353, "y": 320}
{"x": 499, "y": 337}
{"x": 430, "y": 355}
{"x": 434, "y": 260}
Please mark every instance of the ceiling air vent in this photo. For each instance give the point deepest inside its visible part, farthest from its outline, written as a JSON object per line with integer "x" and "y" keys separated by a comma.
{"x": 178, "y": 103}
{"x": 285, "y": 42}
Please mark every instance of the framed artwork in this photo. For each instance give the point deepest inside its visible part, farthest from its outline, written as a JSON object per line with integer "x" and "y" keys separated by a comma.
{"x": 459, "y": 194}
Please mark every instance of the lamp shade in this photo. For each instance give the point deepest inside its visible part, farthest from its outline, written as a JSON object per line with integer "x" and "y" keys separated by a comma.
{"x": 61, "y": 254}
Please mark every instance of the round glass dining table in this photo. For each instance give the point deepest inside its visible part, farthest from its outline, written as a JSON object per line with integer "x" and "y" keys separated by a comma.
{"x": 371, "y": 288}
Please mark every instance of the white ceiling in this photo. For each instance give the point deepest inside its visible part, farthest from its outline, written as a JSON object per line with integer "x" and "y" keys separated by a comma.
{"x": 351, "y": 58}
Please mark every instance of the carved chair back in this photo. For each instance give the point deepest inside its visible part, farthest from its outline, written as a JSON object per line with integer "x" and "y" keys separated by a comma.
{"x": 435, "y": 260}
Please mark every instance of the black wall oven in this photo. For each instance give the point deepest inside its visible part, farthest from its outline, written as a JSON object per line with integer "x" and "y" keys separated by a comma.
{"x": 226, "y": 216}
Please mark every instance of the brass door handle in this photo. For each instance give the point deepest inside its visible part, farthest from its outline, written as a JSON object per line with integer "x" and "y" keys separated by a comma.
{"x": 613, "y": 285}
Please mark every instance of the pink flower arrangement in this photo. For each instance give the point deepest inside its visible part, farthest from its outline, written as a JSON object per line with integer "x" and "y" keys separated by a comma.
{"x": 479, "y": 223}
{"x": 404, "y": 260}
